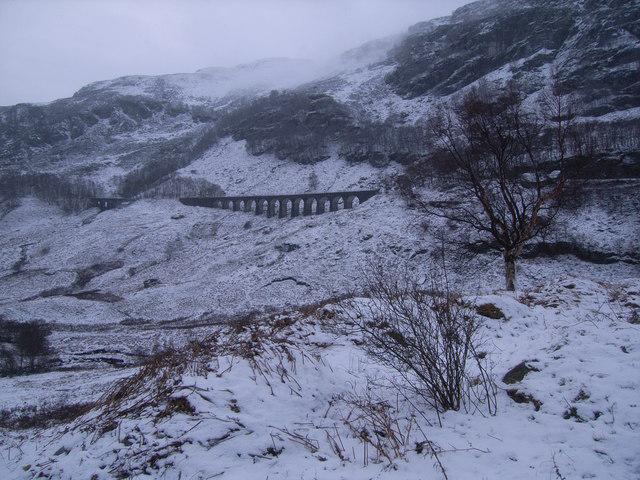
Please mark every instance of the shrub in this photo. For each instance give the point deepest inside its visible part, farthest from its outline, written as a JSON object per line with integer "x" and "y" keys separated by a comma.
{"x": 176, "y": 187}
{"x": 489, "y": 310}
{"x": 41, "y": 416}
{"x": 32, "y": 344}
{"x": 161, "y": 161}
{"x": 70, "y": 194}
{"x": 26, "y": 347}
{"x": 8, "y": 364}
{"x": 428, "y": 336}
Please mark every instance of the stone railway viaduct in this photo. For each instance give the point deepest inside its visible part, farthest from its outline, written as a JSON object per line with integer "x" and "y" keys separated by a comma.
{"x": 282, "y": 206}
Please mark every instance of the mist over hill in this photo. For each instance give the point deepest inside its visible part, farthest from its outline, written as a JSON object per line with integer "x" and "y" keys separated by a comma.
{"x": 373, "y": 96}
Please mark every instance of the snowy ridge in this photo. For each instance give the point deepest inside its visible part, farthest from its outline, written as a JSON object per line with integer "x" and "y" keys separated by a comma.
{"x": 214, "y": 82}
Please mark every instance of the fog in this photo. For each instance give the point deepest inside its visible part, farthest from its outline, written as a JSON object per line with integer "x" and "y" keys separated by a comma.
{"x": 50, "y": 48}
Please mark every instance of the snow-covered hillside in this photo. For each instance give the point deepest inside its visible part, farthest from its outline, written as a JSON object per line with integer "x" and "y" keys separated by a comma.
{"x": 274, "y": 399}
{"x": 109, "y": 128}
{"x": 159, "y": 260}
{"x": 265, "y": 389}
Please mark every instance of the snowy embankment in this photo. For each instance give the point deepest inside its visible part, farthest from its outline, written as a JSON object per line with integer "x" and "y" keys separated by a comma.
{"x": 274, "y": 400}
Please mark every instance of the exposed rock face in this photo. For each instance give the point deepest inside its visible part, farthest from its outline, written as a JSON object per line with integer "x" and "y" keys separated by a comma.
{"x": 297, "y": 125}
{"x": 477, "y": 40}
{"x": 79, "y": 124}
{"x": 517, "y": 373}
{"x": 593, "y": 46}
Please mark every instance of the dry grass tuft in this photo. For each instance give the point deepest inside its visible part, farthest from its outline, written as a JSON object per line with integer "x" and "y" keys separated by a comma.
{"x": 268, "y": 345}
{"x": 489, "y": 310}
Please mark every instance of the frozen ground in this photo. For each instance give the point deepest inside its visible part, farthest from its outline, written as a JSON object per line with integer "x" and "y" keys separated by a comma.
{"x": 275, "y": 413}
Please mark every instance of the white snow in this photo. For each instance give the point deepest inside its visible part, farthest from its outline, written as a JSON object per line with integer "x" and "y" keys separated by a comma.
{"x": 575, "y": 332}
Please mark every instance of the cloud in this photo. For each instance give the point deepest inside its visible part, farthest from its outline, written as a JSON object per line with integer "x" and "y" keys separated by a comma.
{"x": 50, "y": 48}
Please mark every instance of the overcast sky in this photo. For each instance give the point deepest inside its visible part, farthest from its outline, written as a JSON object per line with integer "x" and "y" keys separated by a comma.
{"x": 50, "y": 48}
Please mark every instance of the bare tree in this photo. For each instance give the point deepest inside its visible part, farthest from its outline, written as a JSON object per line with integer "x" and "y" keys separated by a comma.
{"x": 510, "y": 163}
{"x": 314, "y": 182}
{"x": 32, "y": 343}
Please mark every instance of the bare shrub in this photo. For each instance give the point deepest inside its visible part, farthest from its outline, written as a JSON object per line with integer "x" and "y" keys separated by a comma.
{"x": 32, "y": 343}
{"x": 176, "y": 187}
{"x": 376, "y": 424}
{"x": 427, "y": 334}
{"x": 42, "y": 416}
{"x": 266, "y": 345}
{"x": 70, "y": 194}
{"x": 163, "y": 159}
{"x": 385, "y": 433}
{"x": 8, "y": 363}
{"x": 314, "y": 182}
{"x": 26, "y": 347}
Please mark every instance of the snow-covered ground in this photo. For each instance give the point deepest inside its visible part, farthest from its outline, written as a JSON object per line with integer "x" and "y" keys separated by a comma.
{"x": 158, "y": 260}
{"x": 156, "y": 272}
{"x": 229, "y": 165}
{"x": 269, "y": 406}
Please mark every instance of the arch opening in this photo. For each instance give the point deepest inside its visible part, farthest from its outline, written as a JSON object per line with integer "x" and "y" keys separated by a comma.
{"x": 260, "y": 205}
{"x": 324, "y": 205}
{"x": 285, "y": 207}
{"x": 337, "y": 203}
{"x": 351, "y": 201}
{"x": 297, "y": 207}
{"x": 272, "y": 207}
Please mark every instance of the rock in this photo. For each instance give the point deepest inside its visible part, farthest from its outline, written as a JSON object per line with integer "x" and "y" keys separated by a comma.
{"x": 520, "y": 397}
{"x": 203, "y": 230}
{"x": 247, "y": 225}
{"x": 62, "y": 450}
{"x": 85, "y": 275}
{"x": 441, "y": 57}
{"x": 96, "y": 296}
{"x": 517, "y": 373}
{"x": 177, "y": 216}
{"x": 150, "y": 283}
{"x": 295, "y": 125}
{"x": 287, "y": 247}
{"x": 572, "y": 412}
{"x": 489, "y": 310}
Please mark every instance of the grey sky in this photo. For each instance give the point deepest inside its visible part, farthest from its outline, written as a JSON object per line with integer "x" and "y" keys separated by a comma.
{"x": 50, "y": 48}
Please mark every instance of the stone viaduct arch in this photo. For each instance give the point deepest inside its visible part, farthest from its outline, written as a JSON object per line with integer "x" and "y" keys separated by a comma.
{"x": 286, "y": 205}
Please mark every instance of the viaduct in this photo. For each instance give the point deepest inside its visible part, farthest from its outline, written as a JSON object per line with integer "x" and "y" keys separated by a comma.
{"x": 284, "y": 205}
{"x": 280, "y": 206}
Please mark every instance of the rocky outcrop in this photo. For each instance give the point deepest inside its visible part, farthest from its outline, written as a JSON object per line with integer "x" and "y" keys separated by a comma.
{"x": 293, "y": 125}
{"x": 593, "y": 46}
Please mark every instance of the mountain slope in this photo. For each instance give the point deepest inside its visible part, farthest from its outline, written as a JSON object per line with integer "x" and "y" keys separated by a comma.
{"x": 591, "y": 48}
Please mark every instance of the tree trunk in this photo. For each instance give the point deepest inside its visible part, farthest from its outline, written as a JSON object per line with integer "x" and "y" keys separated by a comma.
{"x": 510, "y": 270}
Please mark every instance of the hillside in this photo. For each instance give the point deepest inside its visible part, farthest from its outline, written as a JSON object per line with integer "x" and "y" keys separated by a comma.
{"x": 367, "y": 102}
{"x": 279, "y": 398}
